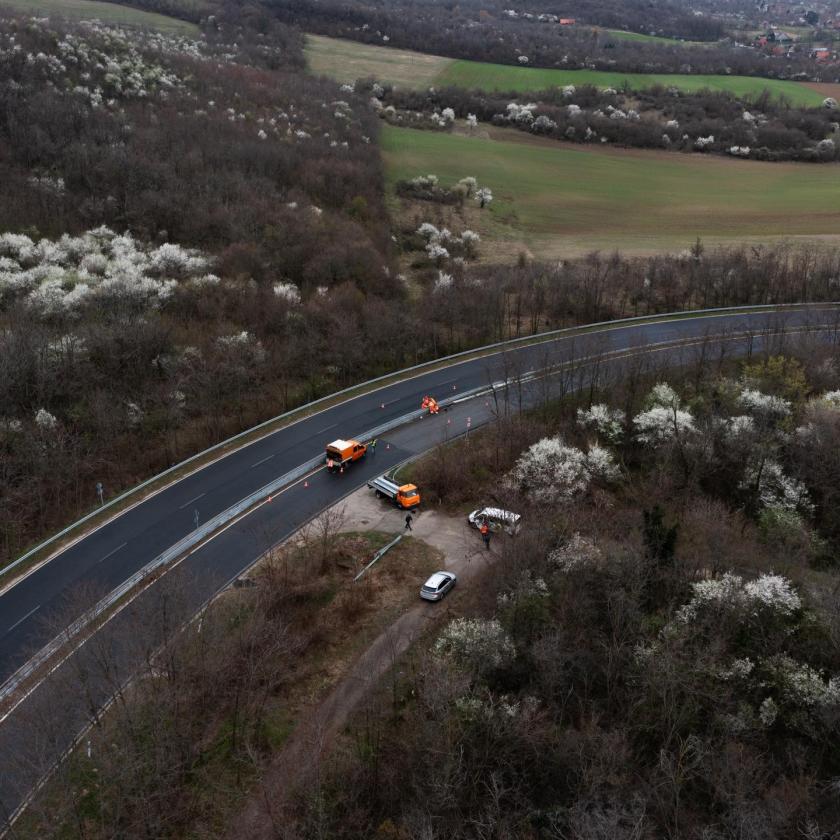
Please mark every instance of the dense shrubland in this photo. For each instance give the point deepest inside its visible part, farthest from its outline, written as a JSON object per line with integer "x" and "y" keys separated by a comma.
{"x": 657, "y": 118}
{"x": 654, "y": 656}
{"x": 161, "y": 195}
{"x": 482, "y": 31}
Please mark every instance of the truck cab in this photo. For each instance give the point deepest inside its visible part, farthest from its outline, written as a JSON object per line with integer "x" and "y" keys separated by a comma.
{"x": 341, "y": 453}
{"x": 408, "y": 496}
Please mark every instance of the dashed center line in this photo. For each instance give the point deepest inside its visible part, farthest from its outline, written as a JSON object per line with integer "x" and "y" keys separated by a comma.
{"x": 21, "y": 620}
{"x": 113, "y": 551}
{"x": 186, "y": 504}
{"x": 268, "y": 458}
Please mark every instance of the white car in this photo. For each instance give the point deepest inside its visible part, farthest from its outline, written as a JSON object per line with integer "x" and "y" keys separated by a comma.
{"x": 496, "y": 519}
{"x": 438, "y": 585}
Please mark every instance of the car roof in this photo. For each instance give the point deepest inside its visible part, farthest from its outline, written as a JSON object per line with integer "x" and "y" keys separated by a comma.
{"x": 498, "y": 513}
{"x": 437, "y": 578}
{"x": 339, "y": 444}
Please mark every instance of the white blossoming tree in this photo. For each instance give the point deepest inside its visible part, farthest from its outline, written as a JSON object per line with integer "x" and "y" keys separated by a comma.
{"x": 552, "y": 471}
{"x": 767, "y": 482}
{"x": 664, "y": 420}
{"x": 729, "y": 593}
{"x": 45, "y": 421}
{"x": 576, "y": 554}
{"x": 287, "y": 292}
{"x": 476, "y": 644}
{"x": 483, "y": 196}
{"x": 766, "y": 409}
{"x": 607, "y": 422}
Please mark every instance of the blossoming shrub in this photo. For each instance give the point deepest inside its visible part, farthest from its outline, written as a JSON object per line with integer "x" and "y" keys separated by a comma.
{"x": 62, "y": 277}
{"x": 607, "y": 422}
{"x": 476, "y": 644}
{"x": 762, "y": 635}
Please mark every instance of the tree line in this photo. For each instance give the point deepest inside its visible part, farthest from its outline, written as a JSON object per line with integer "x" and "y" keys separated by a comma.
{"x": 763, "y": 128}
{"x": 481, "y": 31}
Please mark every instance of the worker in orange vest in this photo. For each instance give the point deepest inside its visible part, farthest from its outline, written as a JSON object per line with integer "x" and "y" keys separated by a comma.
{"x": 485, "y": 534}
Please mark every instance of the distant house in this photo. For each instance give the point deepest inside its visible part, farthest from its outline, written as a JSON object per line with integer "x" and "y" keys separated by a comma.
{"x": 784, "y": 38}
{"x": 821, "y": 54}
{"x": 567, "y": 21}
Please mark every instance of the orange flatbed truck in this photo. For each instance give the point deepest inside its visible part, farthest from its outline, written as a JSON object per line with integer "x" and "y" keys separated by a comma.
{"x": 342, "y": 453}
{"x": 402, "y": 495}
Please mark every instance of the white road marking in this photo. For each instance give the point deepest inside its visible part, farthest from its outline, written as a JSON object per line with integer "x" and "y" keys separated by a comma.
{"x": 186, "y": 504}
{"x": 21, "y": 620}
{"x": 114, "y": 551}
{"x": 268, "y": 458}
{"x": 326, "y": 429}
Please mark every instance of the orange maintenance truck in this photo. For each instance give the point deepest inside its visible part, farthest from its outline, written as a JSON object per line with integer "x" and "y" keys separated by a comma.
{"x": 402, "y": 495}
{"x": 342, "y": 453}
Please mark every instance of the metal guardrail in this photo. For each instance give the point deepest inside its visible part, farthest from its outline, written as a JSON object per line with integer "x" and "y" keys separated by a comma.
{"x": 379, "y": 555}
{"x": 431, "y": 365}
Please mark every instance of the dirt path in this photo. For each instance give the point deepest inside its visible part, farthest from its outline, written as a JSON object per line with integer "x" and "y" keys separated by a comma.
{"x": 299, "y": 761}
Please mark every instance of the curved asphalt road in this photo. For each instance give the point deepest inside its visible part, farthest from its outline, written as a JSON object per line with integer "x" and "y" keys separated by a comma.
{"x": 108, "y": 556}
{"x": 111, "y": 554}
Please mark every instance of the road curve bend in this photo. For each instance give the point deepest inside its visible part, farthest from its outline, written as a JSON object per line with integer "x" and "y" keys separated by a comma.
{"x": 109, "y": 555}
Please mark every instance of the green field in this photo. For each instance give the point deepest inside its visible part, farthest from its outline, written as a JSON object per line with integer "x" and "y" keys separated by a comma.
{"x": 563, "y": 201}
{"x": 106, "y": 12}
{"x": 501, "y": 77}
{"x": 349, "y": 60}
{"x": 654, "y": 39}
